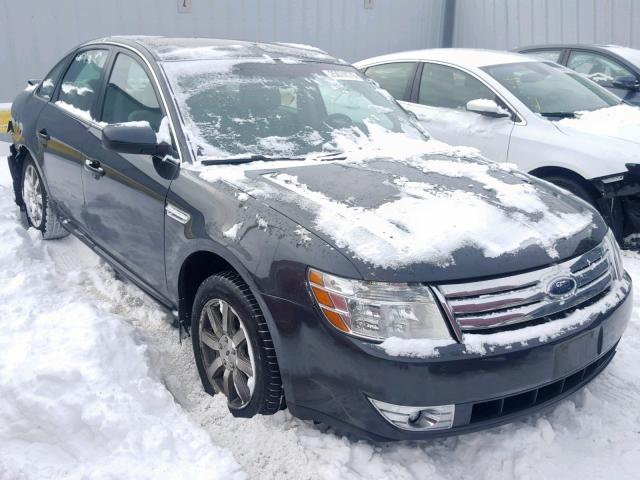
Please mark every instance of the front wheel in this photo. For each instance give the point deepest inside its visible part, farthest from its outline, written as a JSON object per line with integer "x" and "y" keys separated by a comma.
{"x": 233, "y": 348}
{"x": 572, "y": 186}
{"x": 40, "y": 215}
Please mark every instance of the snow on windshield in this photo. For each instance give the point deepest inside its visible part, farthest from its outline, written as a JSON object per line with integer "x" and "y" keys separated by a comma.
{"x": 243, "y": 107}
{"x": 621, "y": 121}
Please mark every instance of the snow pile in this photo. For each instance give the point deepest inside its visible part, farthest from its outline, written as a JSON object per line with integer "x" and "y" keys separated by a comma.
{"x": 232, "y": 232}
{"x": 593, "y": 434}
{"x": 80, "y": 398}
{"x": 620, "y": 121}
{"x": 414, "y": 347}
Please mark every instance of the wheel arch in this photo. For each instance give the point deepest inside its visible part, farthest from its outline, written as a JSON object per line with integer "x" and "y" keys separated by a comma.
{"x": 197, "y": 266}
{"x": 548, "y": 171}
{"x": 20, "y": 153}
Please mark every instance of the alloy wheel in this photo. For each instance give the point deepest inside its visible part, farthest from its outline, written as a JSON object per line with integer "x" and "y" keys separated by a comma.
{"x": 226, "y": 352}
{"x": 32, "y": 195}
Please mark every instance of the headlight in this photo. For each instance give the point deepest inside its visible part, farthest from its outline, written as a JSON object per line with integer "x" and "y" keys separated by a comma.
{"x": 615, "y": 258}
{"x": 376, "y": 310}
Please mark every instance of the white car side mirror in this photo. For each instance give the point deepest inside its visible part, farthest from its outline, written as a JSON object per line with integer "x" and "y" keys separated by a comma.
{"x": 487, "y": 107}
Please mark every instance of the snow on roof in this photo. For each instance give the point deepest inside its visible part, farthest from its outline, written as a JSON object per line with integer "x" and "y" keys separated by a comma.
{"x": 467, "y": 57}
{"x": 177, "y": 48}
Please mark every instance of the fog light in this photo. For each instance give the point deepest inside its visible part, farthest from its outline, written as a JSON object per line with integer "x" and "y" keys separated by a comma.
{"x": 437, "y": 417}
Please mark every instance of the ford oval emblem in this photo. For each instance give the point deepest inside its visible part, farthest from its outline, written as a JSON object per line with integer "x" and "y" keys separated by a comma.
{"x": 561, "y": 287}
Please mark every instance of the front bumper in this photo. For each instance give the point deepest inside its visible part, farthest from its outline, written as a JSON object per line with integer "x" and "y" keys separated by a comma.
{"x": 329, "y": 377}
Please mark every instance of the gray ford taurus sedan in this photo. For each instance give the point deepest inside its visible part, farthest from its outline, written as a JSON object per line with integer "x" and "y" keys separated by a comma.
{"x": 323, "y": 253}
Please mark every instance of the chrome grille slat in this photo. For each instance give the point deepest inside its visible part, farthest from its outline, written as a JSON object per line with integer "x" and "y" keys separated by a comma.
{"x": 495, "y": 303}
{"x": 487, "y": 303}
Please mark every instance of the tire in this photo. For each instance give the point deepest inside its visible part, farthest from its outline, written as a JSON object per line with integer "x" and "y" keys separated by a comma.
{"x": 224, "y": 358}
{"x": 574, "y": 187}
{"x": 40, "y": 215}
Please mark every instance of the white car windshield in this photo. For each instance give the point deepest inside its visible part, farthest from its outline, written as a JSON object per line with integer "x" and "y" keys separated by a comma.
{"x": 551, "y": 90}
{"x": 276, "y": 109}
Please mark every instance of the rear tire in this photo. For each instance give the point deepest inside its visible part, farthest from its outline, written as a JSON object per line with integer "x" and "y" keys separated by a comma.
{"x": 40, "y": 215}
{"x": 233, "y": 349}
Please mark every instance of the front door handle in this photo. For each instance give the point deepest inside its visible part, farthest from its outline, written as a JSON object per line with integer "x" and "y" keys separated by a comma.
{"x": 94, "y": 167}
{"x": 43, "y": 135}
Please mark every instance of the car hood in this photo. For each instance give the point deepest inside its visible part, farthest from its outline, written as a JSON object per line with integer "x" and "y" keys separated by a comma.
{"x": 614, "y": 131}
{"x": 431, "y": 218}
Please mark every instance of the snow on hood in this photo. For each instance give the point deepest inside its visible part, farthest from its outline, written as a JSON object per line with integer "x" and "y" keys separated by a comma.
{"x": 405, "y": 201}
{"x": 620, "y": 121}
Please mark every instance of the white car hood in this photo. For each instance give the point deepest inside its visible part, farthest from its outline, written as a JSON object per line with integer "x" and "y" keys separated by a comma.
{"x": 607, "y": 139}
{"x": 621, "y": 122}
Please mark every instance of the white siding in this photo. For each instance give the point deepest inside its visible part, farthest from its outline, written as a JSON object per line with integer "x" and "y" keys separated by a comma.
{"x": 35, "y": 33}
{"x": 507, "y": 24}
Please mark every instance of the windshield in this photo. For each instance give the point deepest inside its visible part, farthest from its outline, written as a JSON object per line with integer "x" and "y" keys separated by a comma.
{"x": 551, "y": 90}
{"x": 269, "y": 108}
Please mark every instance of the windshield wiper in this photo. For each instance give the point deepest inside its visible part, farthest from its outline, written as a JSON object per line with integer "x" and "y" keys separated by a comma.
{"x": 328, "y": 156}
{"x": 558, "y": 114}
{"x": 265, "y": 158}
{"x": 249, "y": 159}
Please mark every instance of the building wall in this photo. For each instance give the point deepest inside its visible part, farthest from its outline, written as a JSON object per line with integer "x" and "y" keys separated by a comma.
{"x": 507, "y": 24}
{"x": 35, "y": 33}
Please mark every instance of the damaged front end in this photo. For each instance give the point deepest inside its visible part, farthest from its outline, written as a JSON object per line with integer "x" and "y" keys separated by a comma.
{"x": 619, "y": 203}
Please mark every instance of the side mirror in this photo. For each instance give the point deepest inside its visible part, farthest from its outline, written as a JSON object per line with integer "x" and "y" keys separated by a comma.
{"x": 627, "y": 82}
{"x": 133, "y": 138}
{"x": 487, "y": 107}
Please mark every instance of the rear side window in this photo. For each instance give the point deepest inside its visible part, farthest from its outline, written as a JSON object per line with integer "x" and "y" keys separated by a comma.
{"x": 545, "y": 55}
{"x": 130, "y": 96}
{"x": 596, "y": 67}
{"x": 448, "y": 87}
{"x": 48, "y": 85}
{"x": 395, "y": 78}
{"x": 81, "y": 83}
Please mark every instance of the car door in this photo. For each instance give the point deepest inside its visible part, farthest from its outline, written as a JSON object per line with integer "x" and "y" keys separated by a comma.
{"x": 440, "y": 104}
{"x": 125, "y": 193}
{"x": 63, "y": 127}
{"x": 603, "y": 69}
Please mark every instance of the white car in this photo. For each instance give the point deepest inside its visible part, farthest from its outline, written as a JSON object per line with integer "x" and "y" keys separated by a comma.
{"x": 545, "y": 118}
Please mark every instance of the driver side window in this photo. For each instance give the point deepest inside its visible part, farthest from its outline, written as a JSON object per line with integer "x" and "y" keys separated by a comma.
{"x": 447, "y": 87}
{"x": 130, "y": 96}
{"x": 81, "y": 83}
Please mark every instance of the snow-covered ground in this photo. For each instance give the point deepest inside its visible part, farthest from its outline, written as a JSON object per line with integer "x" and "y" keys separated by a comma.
{"x": 94, "y": 384}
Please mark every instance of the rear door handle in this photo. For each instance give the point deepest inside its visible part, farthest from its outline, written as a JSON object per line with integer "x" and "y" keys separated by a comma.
{"x": 94, "y": 167}
{"x": 43, "y": 135}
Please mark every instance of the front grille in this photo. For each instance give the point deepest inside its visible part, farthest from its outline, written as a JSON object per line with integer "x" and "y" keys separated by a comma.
{"x": 500, "y": 407}
{"x": 491, "y": 305}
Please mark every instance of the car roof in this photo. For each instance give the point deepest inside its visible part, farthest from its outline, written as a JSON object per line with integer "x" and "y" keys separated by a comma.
{"x": 468, "y": 57}
{"x": 587, "y": 46}
{"x": 631, "y": 55}
{"x": 184, "y": 48}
